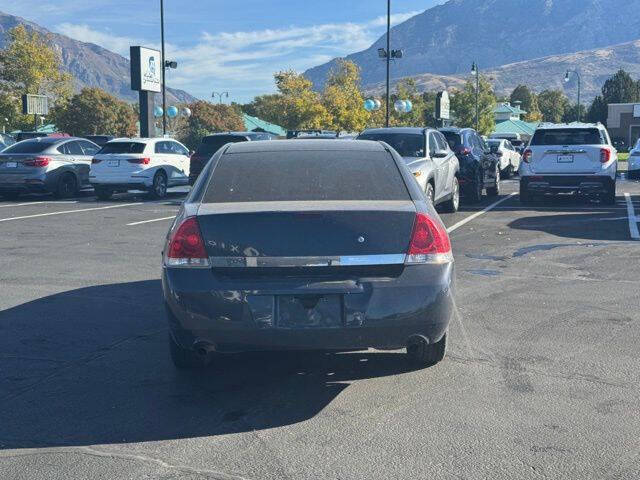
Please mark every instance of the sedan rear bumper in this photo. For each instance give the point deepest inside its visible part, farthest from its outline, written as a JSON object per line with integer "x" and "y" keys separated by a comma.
{"x": 582, "y": 185}
{"x": 243, "y": 315}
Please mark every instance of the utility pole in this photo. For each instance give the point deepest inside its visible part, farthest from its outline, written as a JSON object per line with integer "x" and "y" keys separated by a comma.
{"x": 164, "y": 68}
{"x": 476, "y": 71}
{"x": 388, "y": 58}
{"x": 566, "y": 79}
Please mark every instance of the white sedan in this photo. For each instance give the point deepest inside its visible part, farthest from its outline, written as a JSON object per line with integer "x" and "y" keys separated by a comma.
{"x": 151, "y": 164}
{"x": 634, "y": 162}
{"x": 509, "y": 157}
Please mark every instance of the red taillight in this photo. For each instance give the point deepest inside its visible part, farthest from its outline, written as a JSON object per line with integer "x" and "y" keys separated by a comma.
{"x": 465, "y": 151}
{"x": 186, "y": 246}
{"x": 605, "y": 155}
{"x": 95, "y": 160}
{"x": 526, "y": 155}
{"x": 140, "y": 161}
{"x": 429, "y": 242}
{"x": 37, "y": 162}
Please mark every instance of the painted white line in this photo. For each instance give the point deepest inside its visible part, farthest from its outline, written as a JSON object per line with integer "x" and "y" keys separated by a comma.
{"x": 481, "y": 212}
{"x": 633, "y": 221}
{"x": 564, "y": 209}
{"x": 150, "y": 221}
{"x": 64, "y": 212}
{"x": 26, "y": 204}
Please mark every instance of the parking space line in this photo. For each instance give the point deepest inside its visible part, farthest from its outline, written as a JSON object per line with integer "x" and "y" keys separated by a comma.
{"x": 633, "y": 221}
{"x": 26, "y": 204}
{"x": 150, "y": 221}
{"x": 481, "y": 212}
{"x": 64, "y": 212}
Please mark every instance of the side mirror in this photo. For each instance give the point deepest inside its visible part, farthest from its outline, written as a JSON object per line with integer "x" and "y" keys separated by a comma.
{"x": 440, "y": 154}
{"x": 191, "y": 152}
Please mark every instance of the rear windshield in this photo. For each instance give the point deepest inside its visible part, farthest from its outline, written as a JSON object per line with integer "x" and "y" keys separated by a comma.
{"x": 211, "y": 145}
{"x": 453, "y": 139}
{"x": 304, "y": 176}
{"x": 28, "y": 146}
{"x": 406, "y": 144}
{"x": 568, "y": 136}
{"x": 123, "y": 147}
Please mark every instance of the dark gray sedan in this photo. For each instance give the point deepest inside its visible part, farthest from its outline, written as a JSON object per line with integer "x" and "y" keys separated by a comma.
{"x": 307, "y": 244}
{"x": 59, "y": 165}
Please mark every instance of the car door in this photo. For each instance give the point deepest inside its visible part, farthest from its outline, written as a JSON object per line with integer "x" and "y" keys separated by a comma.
{"x": 89, "y": 149}
{"x": 441, "y": 167}
{"x": 451, "y": 160}
{"x": 181, "y": 157}
{"x": 163, "y": 158}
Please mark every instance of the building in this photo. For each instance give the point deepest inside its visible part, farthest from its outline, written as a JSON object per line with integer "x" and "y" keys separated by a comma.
{"x": 255, "y": 124}
{"x": 623, "y": 123}
{"x": 509, "y": 122}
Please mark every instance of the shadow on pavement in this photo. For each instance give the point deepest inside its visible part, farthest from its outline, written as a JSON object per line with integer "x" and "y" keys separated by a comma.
{"x": 91, "y": 366}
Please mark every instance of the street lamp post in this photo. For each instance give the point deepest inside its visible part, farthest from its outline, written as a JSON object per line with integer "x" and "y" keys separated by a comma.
{"x": 567, "y": 78}
{"x": 476, "y": 71}
{"x": 388, "y": 59}
{"x": 164, "y": 68}
{"x": 219, "y": 95}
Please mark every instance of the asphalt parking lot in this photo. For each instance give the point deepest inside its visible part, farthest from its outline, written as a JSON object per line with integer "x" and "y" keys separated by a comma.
{"x": 542, "y": 378}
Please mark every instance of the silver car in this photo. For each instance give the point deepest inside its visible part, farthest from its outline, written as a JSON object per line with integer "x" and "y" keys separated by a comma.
{"x": 427, "y": 155}
{"x": 58, "y": 165}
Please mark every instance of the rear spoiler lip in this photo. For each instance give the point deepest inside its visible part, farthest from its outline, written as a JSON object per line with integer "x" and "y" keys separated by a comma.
{"x": 311, "y": 261}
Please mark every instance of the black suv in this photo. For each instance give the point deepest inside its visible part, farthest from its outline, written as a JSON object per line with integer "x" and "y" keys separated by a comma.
{"x": 479, "y": 168}
{"x": 212, "y": 143}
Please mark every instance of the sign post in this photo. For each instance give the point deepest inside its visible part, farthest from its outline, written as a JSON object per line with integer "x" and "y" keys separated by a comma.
{"x": 146, "y": 70}
{"x": 35, "y": 105}
{"x": 443, "y": 108}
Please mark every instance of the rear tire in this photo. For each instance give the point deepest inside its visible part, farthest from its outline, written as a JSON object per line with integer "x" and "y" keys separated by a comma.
{"x": 429, "y": 193}
{"x": 158, "y": 188}
{"x": 474, "y": 195}
{"x": 426, "y": 355}
{"x": 186, "y": 359}
{"x": 507, "y": 172}
{"x": 451, "y": 205}
{"x": 102, "y": 192}
{"x": 67, "y": 186}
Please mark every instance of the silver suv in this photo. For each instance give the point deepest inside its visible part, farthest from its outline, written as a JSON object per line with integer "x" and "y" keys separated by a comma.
{"x": 426, "y": 153}
{"x": 569, "y": 158}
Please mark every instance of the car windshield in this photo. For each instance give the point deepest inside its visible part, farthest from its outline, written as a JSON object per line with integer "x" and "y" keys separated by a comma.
{"x": 306, "y": 176}
{"x": 568, "y": 136}
{"x": 28, "y": 146}
{"x": 453, "y": 139}
{"x": 122, "y": 147}
{"x": 406, "y": 144}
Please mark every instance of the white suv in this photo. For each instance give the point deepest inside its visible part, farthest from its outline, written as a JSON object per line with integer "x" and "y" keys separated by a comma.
{"x": 569, "y": 158}
{"x": 151, "y": 164}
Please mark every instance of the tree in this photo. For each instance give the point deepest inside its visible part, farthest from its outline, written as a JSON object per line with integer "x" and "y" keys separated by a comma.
{"x": 620, "y": 88}
{"x": 464, "y": 106}
{"x": 571, "y": 113}
{"x": 528, "y": 101}
{"x": 552, "y": 104}
{"x": 343, "y": 98}
{"x": 598, "y": 111}
{"x": 94, "y": 111}
{"x": 207, "y": 118}
{"x": 296, "y": 106}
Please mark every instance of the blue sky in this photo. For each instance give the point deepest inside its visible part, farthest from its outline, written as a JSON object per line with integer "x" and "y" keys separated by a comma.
{"x": 223, "y": 44}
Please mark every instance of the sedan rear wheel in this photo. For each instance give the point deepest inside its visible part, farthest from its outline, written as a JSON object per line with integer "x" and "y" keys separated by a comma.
{"x": 427, "y": 354}
{"x": 67, "y": 186}
{"x": 495, "y": 190}
{"x": 159, "y": 186}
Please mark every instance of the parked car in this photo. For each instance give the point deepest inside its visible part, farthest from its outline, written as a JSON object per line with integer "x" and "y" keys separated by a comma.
{"x": 100, "y": 140}
{"x": 428, "y": 156}
{"x": 6, "y": 140}
{"x": 29, "y": 135}
{"x": 633, "y": 166}
{"x": 151, "y": 164}
{"x": 59, "y": 165}
{"x": 212, "y": 143}
{"x": 479, "y": 168}
{"x": 509, "y": 157}
{"x": 367, "y": 261}
{"x": 569, "y": 158}
{"x": 519, "y": 145}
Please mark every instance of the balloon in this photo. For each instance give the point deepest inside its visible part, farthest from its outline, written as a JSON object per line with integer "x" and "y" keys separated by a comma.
{"x": 369, "y": 105}
{"x": 400, "y": 106}
{"x": 172, "y": 112}
{"x": 186, "y": 112}
{"x": 157, "y": 111}
{"x": 408, "y": 106}
{"x": 378, "y": 104}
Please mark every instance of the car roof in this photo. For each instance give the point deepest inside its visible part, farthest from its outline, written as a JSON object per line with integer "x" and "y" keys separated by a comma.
{"x": 52, "y": 140}
{"x": 552, "y": 126}
{"x": 306, "y": 145}
{"x": 418, "y": 130}
{"x": 456, "y": 129}
{"x": 234, "y": 134}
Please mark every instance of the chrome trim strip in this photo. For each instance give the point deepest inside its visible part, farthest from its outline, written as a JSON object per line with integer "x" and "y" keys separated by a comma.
{"x": 562, "y": 152}
{"x": 326, "y": 261}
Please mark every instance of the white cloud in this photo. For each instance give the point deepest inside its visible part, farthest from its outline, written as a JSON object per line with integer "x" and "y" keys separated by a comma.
{"x": 243, "y": 62}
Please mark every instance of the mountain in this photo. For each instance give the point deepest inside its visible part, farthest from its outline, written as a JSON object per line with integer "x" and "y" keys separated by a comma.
{"x": 446, "y": 39}
{"x": 90, "y": 65}
{"x": 595, "y": 67}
